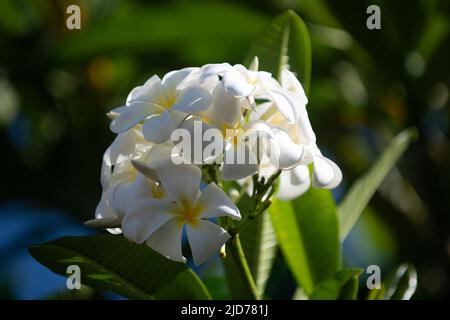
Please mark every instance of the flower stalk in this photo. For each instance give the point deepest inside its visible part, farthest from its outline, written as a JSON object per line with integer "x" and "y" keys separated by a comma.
{"x": 236, "y": 257}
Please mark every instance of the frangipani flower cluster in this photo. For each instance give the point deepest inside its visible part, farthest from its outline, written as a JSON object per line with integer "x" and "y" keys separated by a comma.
{"x": 240, "y": 121}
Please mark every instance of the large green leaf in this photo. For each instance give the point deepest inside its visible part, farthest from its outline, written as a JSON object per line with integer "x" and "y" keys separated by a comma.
{"x": 284, "y": 43}
{"x": 400, "y": 285}
{"x": 342, "y": 286}
{"x": 260, "y": 246}
{"x": 308, "y": 234}
{"x": 112, "y": 263}
{"x": 363, "y": 189}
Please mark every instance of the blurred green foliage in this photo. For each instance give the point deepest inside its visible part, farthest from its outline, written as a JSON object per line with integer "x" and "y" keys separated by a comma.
{"x": 56, "y": 86}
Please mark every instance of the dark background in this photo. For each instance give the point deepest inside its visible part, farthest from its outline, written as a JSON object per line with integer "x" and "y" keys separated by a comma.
{"x": 56, "y": 86}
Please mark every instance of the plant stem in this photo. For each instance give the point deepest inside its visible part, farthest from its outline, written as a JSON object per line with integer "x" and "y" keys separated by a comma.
{"x": 236, "y": 257}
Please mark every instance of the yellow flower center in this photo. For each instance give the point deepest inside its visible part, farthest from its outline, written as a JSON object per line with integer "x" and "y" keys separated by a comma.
{"x": 170, "y": 101}
{"x": 188, "y": 213}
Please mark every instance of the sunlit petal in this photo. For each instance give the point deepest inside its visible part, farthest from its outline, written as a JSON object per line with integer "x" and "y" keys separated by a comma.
{"x": 215, "y": 203}
{"x": 157, "y": 128}
{"x": 144, "y": 217}
{"x": 192, "y": 99}
{"x": 293, "y": 183}
{"x": 181, "y": 181}
{"x": 167, "y": 240}
{"x": 132, "y": 115}
{"x": 205, "y": 239}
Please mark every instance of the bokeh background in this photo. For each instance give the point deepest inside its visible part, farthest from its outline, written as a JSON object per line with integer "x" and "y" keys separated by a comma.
{"x": 56, "y": 86}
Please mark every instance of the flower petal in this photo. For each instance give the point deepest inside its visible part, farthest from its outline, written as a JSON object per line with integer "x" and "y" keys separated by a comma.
{"x": 293, "y": 183}
{"x": 226, "y": 109}
{"x": 172, "y": 80}
{"x": 192, "y": 99}
{"x": 144, "y": 217}
{"x": 114, "y": 113}
{"x": 215, "y": 203}
{"x": 200, "y": 143}
{"x": 157, "y": 128}
{"x": 289, "y": 152}
{"x": 233, "y": 168}
{"x": 132, "y": 95}
{"x": 254, "y": 65}
{"x": 290, "y": 82}
{"x": 106, "y": 171}
{"x": 258, "y": 129}
{"x": 337, "y": 176}
{"x": 177, "y": 118}
{"x": 163, "y": 154}
{"x": 181, "y": 181}
{"x": 132, "y": 115}
{"x": 145, "y": 169}
{"x": 103, "y": 211}
{"x": 284, "y": 104}
{"x": 213, "y": 69}
{"x": 128, "y": 192}
{"x": 123, "y": 146}
{"x": 152, "y": 91}
{"x": 167, "y": 240}
{"x": 205, "y": 239}
{"x": 236, "y": 84}
{"x": 323, "y": 172}
{"x": 306, "y": 133}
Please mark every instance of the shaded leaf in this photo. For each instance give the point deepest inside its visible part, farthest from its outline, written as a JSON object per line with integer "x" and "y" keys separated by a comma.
{"x": 260, "y": 245}
{"x": 342, "y": 286}
{"x": 400, "y": 285}
{"x": 285, "y": 42}
{"x": 112, "y": 263}
{"x": 363, "y": 189}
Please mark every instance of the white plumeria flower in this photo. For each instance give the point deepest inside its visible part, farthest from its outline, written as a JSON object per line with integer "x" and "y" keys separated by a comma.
{"x": 239, "y": 136}
{"x": 162, "y": 104}
{"x": 296, "y": 144}
{"x": 160, "y": 222}
{"x": 295, "y": 156}
{"x": 297, "y": 151}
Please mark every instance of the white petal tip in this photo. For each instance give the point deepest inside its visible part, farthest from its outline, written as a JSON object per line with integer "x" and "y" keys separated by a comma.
{"x": 103, "y": 223}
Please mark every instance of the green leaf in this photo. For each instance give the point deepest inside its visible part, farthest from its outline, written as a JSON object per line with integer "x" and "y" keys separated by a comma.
{"x": 170, "y": 29}
{"x": 342, "y": 286}
{"x": 285, "y": 42}
{"x": 400, "y": 285}
{"x": 363, "y": 189}
{"x": 308, "y": 235}
{"x": 112, "y": 263}
{"x": 260, "y": 246}
{"x": 350, "y": 290}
